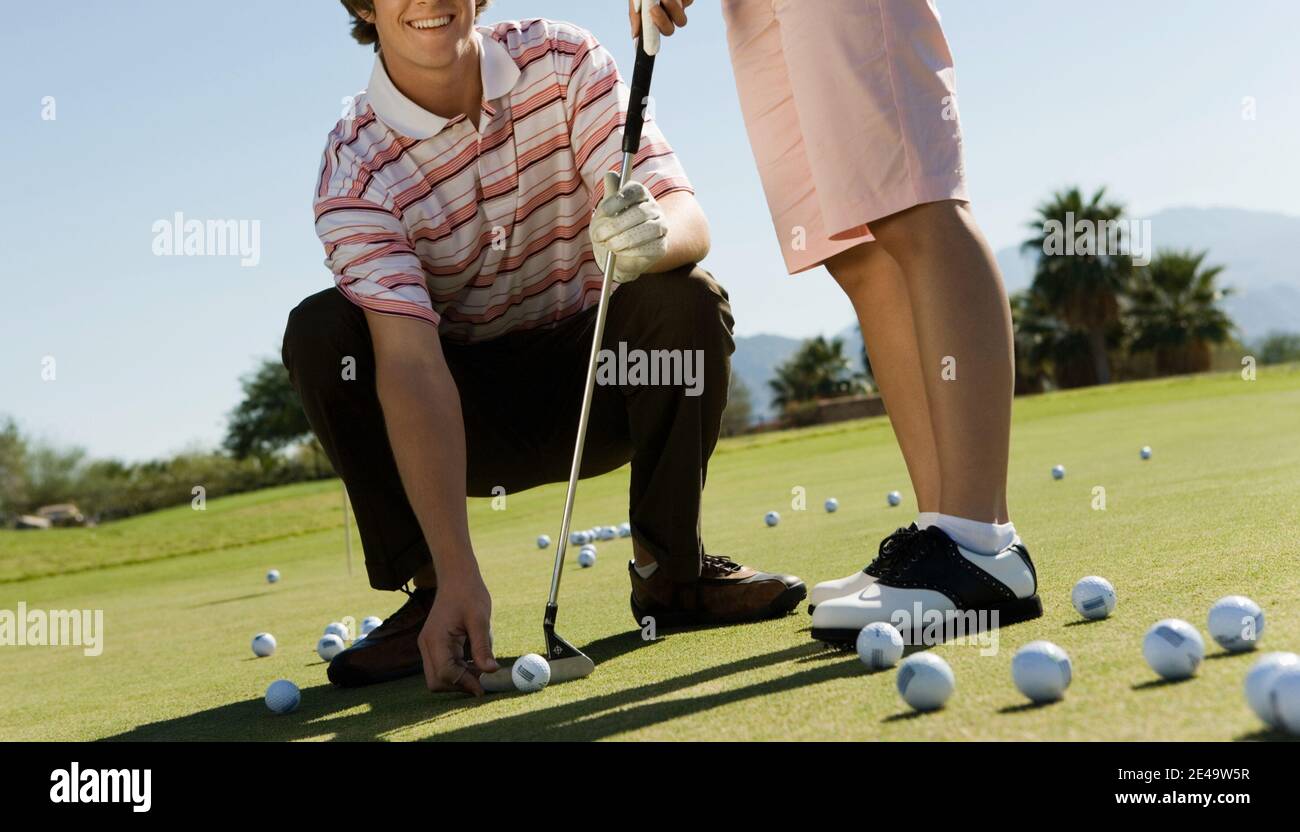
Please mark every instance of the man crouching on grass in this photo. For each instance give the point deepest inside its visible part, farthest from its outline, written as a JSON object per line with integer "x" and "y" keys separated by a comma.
{"x": 456, "y": 211}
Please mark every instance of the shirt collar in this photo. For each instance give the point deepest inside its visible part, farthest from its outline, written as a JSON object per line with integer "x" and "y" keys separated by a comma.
{"x": 499, "y": 74}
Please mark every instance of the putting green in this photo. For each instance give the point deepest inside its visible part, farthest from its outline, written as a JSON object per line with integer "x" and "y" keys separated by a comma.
{"x": 1212, "y": 513}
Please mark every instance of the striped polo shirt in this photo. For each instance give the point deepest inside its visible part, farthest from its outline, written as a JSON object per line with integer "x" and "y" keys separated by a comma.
{"x": 483, "y": 232}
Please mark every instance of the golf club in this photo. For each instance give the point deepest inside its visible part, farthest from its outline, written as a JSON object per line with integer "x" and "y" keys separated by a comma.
{"x": 568, "y": 662}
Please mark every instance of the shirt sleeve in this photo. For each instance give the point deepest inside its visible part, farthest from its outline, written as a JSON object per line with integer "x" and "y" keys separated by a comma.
{"x": 368, "y": 250}
{"x": 596, "y": 100}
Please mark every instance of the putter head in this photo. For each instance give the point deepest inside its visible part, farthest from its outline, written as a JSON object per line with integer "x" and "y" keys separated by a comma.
{"x": 567, "y": 662}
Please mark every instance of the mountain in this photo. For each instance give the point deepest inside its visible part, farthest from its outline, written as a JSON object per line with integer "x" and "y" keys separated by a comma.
{"x": 1255, "y": 247}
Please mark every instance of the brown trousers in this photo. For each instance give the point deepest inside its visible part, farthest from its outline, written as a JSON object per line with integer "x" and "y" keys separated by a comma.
{"x": 521, "y": 395}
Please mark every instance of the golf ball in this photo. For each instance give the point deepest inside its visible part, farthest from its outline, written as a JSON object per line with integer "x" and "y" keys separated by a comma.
{"x": 832, "y": 504}
{"x": 1041, "y": 671}
{"x": 1285, "y": 697}
{"x": 273, "y": 576}
{"x": 1259, "y": 685}
{"x": 880, "y": 645}
{"x": 337, "y": 628}
{"x": 771, "y": 518}
{"x": 1093, "y": 597}
{"x": 894, "y": 498}
{"x": 587, "y": 557}
{"x": 329, "y": 646}
{"x": 606, "y": 533}
{"x": 925, "y": 681}
{"x": 530, "y": 673}
{"x": 369, "y": 623}
{"x": 283, "y": 696}
{"x": 1173, "y": 648}
{"x": 1236, "y": 623}
{"x": 263, "y": 644}
{"x": 1145, "y": 452}
{"x": 1058, "y": 472}
{"x": 625, "y": 530}
{"x": 579, "y": 538}
{"x": 543, "y": 541}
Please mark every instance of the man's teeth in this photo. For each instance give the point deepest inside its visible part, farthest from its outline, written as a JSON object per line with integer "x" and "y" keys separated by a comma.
{"x": 433, "y": 23}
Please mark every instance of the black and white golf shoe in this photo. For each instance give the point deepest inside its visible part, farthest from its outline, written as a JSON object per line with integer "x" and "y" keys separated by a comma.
{"x": 860, "y": 580}
{"x": 924, "y": 583}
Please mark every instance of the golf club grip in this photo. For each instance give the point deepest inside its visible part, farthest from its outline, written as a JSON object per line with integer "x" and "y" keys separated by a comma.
{"x": 641, "y": 75}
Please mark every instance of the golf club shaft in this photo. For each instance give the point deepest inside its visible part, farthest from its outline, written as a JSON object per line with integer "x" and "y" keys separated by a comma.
{"x": 638, "y": 102}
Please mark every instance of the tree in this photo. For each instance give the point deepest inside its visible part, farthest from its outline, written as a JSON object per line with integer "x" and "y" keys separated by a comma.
{"x": 1081, "y": 289}
{"x": 739, "y": 412}
{"x": 819, "y": 369}
{"x": 1279, "y": 348}
{"x": 1175, "y": 311}
{"x": 13, "y": 470}
{"x": 269, "y": 418}
{"x": 1046, "y": 348}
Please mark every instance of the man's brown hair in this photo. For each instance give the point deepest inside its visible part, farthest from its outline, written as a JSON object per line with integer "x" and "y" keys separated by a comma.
{"x": 363, "y": 32}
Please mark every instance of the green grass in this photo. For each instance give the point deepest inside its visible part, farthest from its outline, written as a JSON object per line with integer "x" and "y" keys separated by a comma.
{"x": 1213, "y": 513}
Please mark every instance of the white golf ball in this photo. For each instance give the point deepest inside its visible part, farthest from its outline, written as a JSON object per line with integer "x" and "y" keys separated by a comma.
{"x": 925, "y": 681}
{"x": 1146, "y": 452}
{"x": 880, "y": 645}
{"x": 625, "y": 530}
{"x": 606, "y": 533}
{"x": 578, "y": 539}
{"x": 369, "y": 623}
{"x": 894, "y": 498}
{"x": 530, "y": 673}
{"x": 1041, "y": 671}
{"x": 1236, "y": 623}
{"x": 283, "y": 696}
{"x": 263, "y": 644}
{"x": 1058, "y": 472}
{"x": 1173, "y": 648}
{"x": 273, "y": 576}
{"x": 1285, "y": 697}
{"x": 832, "y": 505}
{"x": 329, "y": 646}
{"x": 543, "y": 541}
{"x": 1093, "y": 597}
{"x": 771, "y": 518}
{"x": 338, "y": 628}
{"x": 1259, "y": 685}
{"x": 587, "y": 557}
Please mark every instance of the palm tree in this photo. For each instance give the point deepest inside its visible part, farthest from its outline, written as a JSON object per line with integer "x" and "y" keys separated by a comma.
{"x": 1046, "y": 348}
{"x": 1081, "y": 289}
{"x": 1175, "y": 311}
{"x": 819, "y": 369}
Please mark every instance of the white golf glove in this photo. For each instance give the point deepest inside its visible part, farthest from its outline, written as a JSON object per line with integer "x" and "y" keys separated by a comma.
{"x": 630, "y": 224}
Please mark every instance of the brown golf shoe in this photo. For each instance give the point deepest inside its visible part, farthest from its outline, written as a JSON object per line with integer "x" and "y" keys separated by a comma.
{"x": 391, "y": 650}
{"x": 726, "y": 593}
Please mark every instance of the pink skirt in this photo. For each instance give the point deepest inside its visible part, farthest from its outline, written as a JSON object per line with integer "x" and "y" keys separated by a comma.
{"x": 851, "y": 111}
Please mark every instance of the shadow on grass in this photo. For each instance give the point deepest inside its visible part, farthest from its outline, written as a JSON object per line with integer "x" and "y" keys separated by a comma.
{"x": 1152, "y": 684}
{"x": 1266, "y": 735}
{"x": 1024, "y": 706}
{"x": 405, "y": 704}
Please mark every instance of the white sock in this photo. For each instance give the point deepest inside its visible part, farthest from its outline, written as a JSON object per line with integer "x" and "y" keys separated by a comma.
{"x": 982, "y": 538}
{"x": 645, "y": 571}
{"x": 926, "y": 519}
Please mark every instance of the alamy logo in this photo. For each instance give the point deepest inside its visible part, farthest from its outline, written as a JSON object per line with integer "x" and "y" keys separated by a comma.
{"x": 111, "y": 785}
{"x": 654, "y": 368}
{"x": 53, "y": 628}
{"x": 1103, "y": 238}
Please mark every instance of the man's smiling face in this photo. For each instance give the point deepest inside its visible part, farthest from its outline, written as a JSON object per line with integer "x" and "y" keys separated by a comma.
{"x": 429, "y": 34}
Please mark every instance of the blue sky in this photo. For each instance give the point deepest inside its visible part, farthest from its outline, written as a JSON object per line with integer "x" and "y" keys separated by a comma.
{"x": 220, "y": 111}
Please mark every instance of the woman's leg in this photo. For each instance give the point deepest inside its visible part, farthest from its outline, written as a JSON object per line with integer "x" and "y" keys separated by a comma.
{"x": 963, "y": 326}
{"x": 878, "y": 290}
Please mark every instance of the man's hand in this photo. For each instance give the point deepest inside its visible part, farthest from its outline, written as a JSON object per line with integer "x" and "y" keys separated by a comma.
{"x": 667, "y": 15}
{"x": 630, "y": 224}
{"x": 462, "y": 612}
